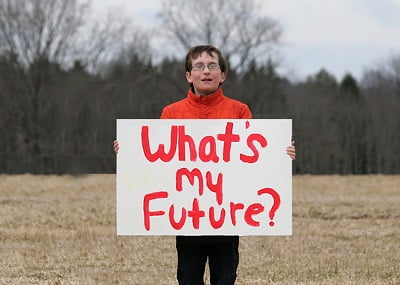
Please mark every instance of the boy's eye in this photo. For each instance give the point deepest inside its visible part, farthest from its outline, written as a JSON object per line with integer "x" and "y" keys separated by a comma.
{"x": 211, "y": 66}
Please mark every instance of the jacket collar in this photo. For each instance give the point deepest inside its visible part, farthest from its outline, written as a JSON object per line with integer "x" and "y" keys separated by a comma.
{"x": 210, "y": 100}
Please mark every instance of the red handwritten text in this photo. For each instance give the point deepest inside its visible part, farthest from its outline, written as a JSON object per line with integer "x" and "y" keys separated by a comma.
{"x": 196, "y": 213}
{"x": 206, "y": 149}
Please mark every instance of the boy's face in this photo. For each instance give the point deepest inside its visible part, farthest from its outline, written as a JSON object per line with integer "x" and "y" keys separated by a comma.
{"x": 205, "y": 81}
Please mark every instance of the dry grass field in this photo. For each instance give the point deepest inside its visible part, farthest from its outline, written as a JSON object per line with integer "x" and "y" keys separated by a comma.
{"x": 61, "y": 230}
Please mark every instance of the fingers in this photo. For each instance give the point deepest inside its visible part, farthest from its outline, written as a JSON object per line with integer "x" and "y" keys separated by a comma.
{"x": 116, "y": 146}
{"x": 291, "y": 151}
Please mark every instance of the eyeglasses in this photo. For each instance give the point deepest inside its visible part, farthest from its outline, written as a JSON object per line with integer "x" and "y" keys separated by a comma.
{"x": 201, "y": 67}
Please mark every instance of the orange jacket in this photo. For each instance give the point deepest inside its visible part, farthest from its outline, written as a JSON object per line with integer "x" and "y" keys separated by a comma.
{"x": 213, "y": 106}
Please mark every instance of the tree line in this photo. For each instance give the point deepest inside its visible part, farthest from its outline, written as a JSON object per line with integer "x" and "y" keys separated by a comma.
{"x": 60, "y": 96}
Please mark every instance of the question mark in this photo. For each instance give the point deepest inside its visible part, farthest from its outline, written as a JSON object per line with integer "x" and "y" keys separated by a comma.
{"x": 275, "y": 206}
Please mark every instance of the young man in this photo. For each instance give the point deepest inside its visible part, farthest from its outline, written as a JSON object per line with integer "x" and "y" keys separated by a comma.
{"x": 206, "y": 70}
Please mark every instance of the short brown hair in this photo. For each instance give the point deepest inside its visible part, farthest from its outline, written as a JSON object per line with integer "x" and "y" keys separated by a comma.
{"x": 196, "y": 51}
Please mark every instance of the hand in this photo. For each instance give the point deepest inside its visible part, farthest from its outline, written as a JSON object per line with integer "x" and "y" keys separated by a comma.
{"x": 291, "y": 151}
{"x": 116, "y": 146}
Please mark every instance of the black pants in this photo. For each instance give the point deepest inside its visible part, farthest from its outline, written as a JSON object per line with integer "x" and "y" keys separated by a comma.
{"x": 223, "y": 259}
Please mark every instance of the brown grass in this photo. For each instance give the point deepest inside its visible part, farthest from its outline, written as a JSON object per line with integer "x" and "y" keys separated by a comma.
{"x": 61, "y": 230}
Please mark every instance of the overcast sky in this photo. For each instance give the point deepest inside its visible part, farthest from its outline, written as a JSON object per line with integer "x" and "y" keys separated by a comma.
{"x": 341, "y": 35}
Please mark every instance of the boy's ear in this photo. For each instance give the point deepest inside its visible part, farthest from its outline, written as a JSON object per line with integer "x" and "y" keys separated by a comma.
{"x": 189, "y": 77}
{"x": 223, "y": 77}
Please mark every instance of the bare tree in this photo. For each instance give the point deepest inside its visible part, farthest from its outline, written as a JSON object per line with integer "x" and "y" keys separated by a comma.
{"x": 39, "y": 40}
{"x": 111, "y": 37}
{"x": 59, "y": 31}
{"x": 234, "y": 26}
{"x": 39, "y": 29}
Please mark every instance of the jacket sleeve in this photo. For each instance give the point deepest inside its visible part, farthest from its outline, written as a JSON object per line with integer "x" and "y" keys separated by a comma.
{"x": 245, "y": 113}
{"x": 166, "y": 114}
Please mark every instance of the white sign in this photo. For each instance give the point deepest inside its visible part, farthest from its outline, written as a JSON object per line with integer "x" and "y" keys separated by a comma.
{"x": 204, "y": 177}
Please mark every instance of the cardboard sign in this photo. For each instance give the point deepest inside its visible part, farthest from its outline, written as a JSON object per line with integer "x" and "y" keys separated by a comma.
{"x": 204, "y": 177}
